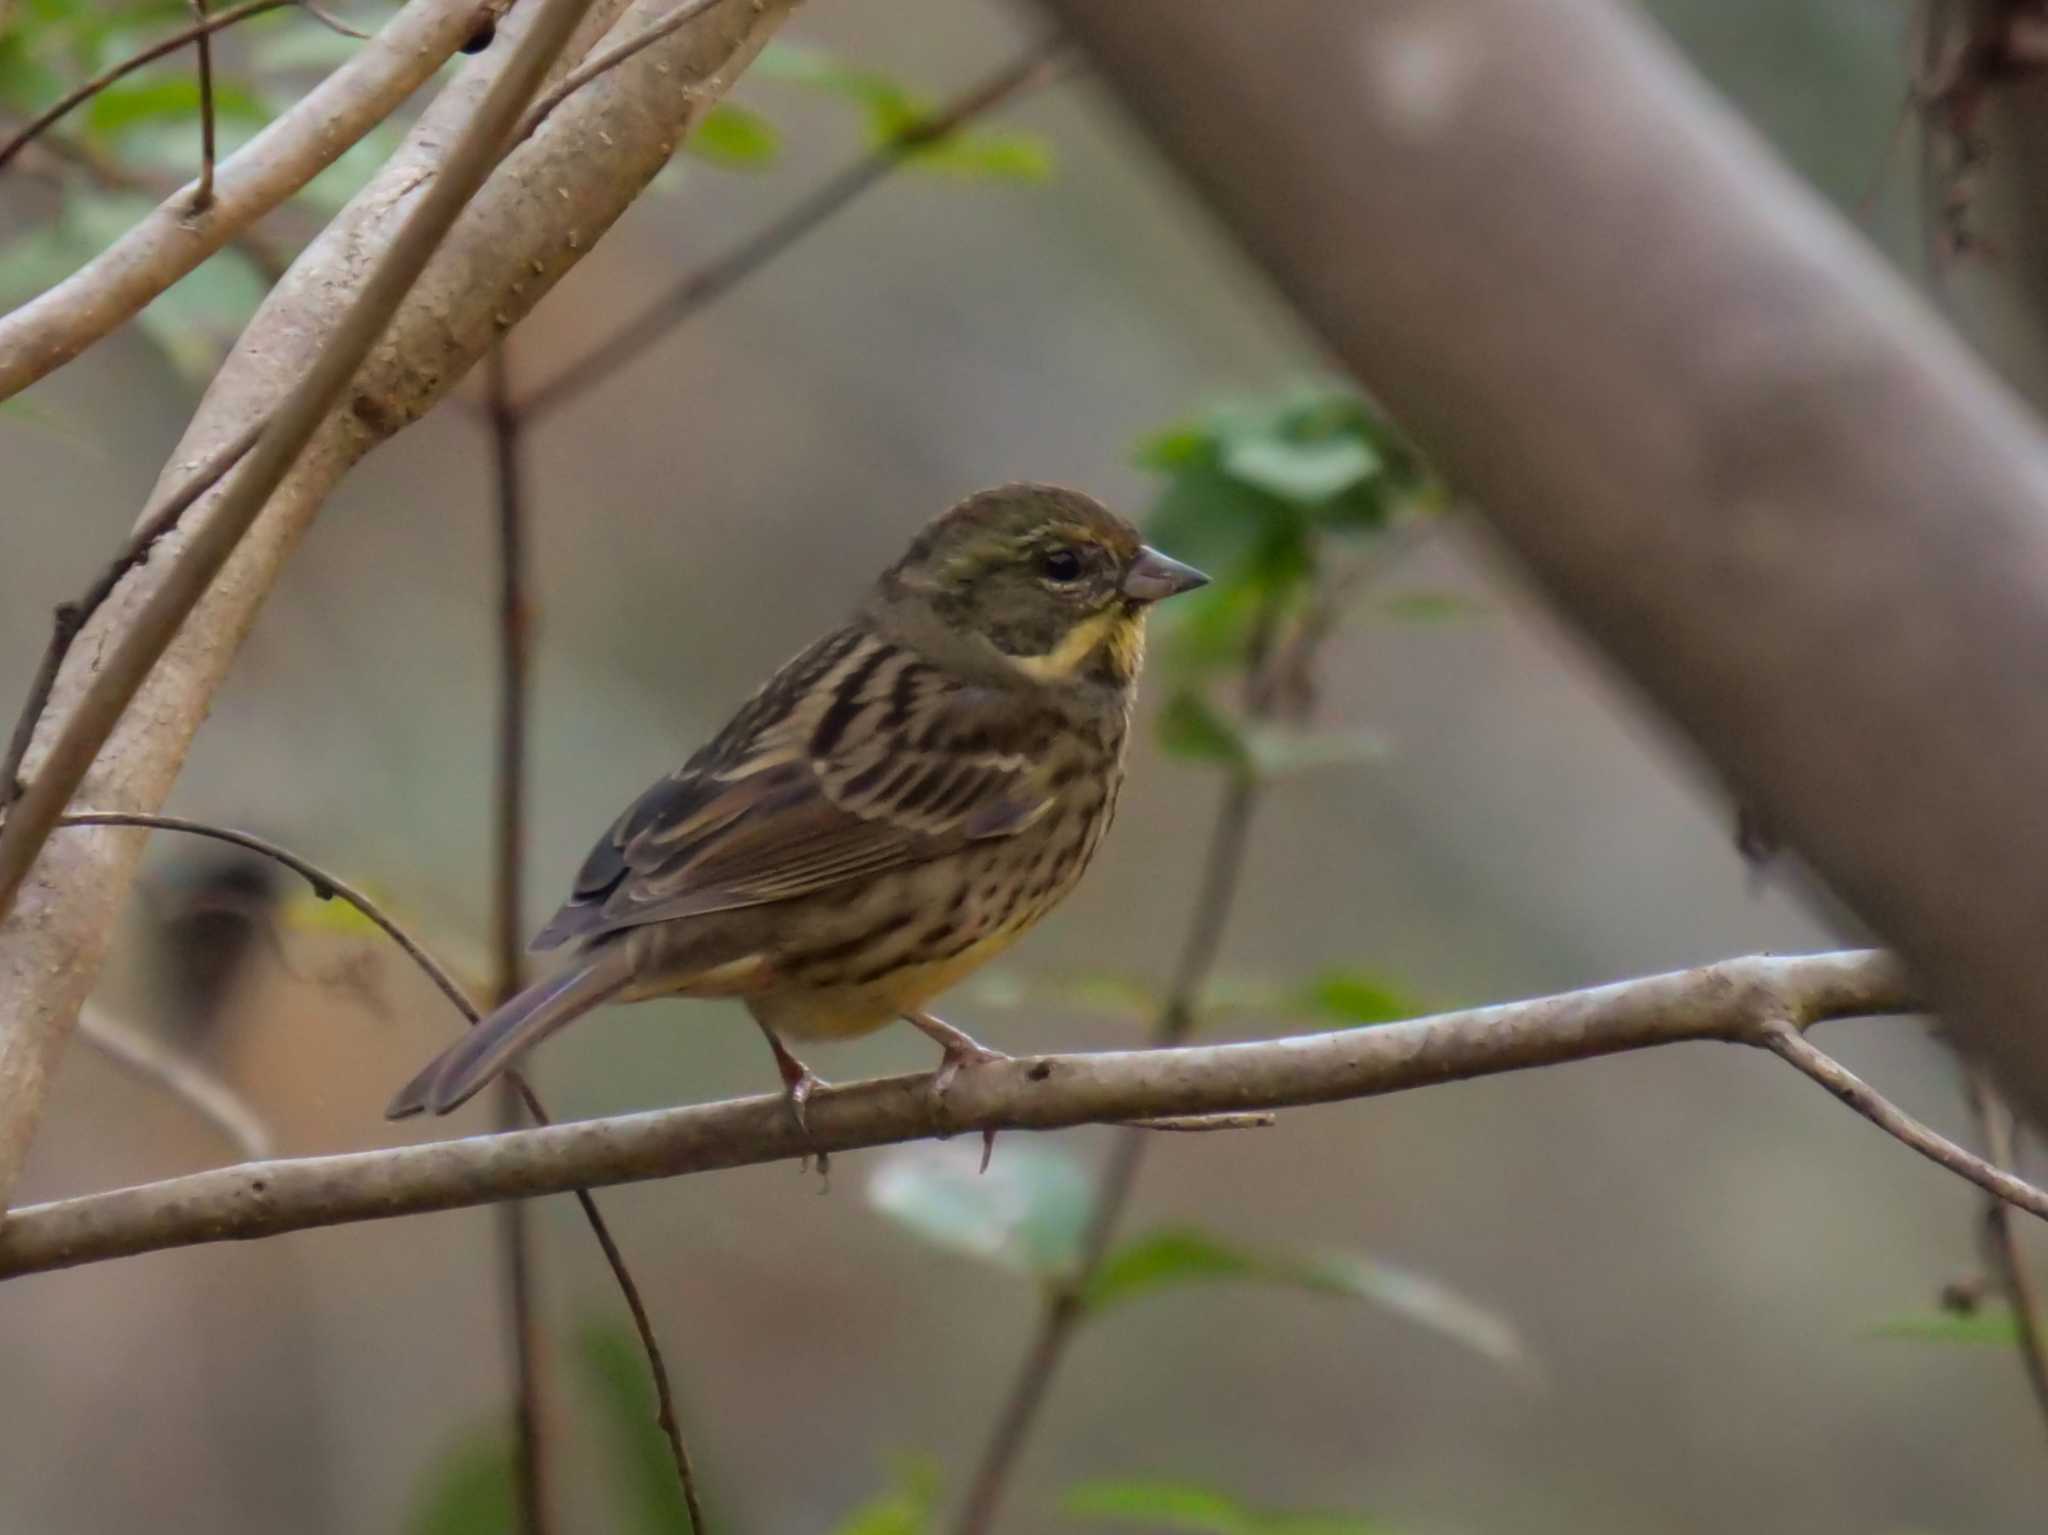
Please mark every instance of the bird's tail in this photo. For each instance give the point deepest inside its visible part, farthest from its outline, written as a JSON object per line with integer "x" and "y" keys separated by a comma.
{"x": 455, "y": 1075}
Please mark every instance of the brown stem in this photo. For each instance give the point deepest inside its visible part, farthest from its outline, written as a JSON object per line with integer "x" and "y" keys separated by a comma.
{"x": 508, "y": 886}
{"x": 2009, "y": 1266}
{"x": 606, "y": 61}
{"x": 713, "y": 281}
{"x": 198, "y": 32}
{"x": 202, "y": 195}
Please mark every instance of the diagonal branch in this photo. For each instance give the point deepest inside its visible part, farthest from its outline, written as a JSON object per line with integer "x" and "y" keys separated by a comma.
{"x": 1737, "y": 1001}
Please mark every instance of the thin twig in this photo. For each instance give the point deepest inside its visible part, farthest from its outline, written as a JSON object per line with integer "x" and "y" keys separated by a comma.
{"x": 606, "y": 61}
{"x": 1785, "y": 1041}
{"x": 290, "y": 426}
{"x": 711, "y": 282}
{"x": 1216, "y": 895}
{"x": 1728, "y": 1002}
{"x": 2009, "y": 1267}
{"x": 71, "y": 617}
{"x": 106, "y": 77}
{"x": 330, "y": 886}
{"x": 154, "y": 1061}
{"x": 202, "y": 194}
{"x": 508, "y": 884}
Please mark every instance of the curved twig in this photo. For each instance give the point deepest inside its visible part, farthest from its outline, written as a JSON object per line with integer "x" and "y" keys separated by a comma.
{"x": 212, "y": 1099}
{"x": 610, "y": 59}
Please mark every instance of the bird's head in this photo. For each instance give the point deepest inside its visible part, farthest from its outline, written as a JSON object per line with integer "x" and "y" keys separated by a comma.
{"x": 1033, "y": 581}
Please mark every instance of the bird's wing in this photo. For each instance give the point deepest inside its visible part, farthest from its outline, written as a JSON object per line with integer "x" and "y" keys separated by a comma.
{"x": 855, "y": 758}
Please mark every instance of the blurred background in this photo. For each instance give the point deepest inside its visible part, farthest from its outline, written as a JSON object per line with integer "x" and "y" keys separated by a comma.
{"x": 1703, "y": 1258}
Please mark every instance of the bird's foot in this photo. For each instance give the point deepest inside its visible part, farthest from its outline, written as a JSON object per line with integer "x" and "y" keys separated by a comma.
{"x": 798, "y": 1083}
{"x": 961, "y": 1050}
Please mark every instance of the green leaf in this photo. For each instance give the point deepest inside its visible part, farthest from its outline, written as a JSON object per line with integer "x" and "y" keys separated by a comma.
{"x": 906, "y": 1509}
{"x": 1180, "y": 1506}
{"x": 467, "y": 1491}
{"x": 734, "y": 137}
{"x": 616, "y": 1371}
{"x": 987, "y": 154}
{"x": 1357, "y": 997}
{"x": 1993, "y": 1324}
{"x": 1184, "y": 1255}
{"x": 1310, "y": 473}
{"x": 1190, "y": 728}
{"x": 1027, "y": 1212}
{"x": 302, "y": 50}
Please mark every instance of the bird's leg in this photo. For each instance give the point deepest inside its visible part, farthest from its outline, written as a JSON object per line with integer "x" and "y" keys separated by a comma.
{"x": 798, "y": 1082}
{"x": 961, "y": 1050}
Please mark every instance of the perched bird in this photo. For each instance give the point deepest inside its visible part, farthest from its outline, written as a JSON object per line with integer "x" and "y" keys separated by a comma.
{"x": 893, "y": 809}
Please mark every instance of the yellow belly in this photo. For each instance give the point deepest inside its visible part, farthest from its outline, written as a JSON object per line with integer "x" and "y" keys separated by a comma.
{"x": 843, "y": 1012}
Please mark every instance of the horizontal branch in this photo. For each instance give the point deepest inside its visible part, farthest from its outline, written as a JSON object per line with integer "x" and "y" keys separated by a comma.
{"x": 1740, "y": 1000}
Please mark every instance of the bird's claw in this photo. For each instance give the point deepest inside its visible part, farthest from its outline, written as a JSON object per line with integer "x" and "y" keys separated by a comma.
{"x": 961, "y": 1050}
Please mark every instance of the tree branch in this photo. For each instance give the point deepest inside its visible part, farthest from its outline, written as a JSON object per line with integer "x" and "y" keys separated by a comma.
{"x": 1823, "y": 524}
{"x": 48, "y": 331}
{"x": 2010, "y": 1271}
{"x": 1738, "y": 1001}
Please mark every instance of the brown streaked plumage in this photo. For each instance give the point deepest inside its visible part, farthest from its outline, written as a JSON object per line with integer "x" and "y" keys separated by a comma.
{"x": 895, "y": 807}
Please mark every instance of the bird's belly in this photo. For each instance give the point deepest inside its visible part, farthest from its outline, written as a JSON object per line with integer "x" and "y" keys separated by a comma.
{"x": 845, "y": 1010}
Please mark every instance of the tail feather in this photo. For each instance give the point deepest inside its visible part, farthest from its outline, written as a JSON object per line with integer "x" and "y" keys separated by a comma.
{"x": 458, "y": 1073}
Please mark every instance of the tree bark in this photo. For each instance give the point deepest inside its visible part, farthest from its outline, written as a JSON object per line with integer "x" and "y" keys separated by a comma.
{"x": 1758, "y": 472}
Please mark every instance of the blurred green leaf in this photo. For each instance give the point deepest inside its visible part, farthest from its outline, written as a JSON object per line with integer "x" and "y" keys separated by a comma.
{"x": 1184, "y": 1255}
{"x": 906, "y": 1509}
{"x": 303, "y": 49}
{"x": 616, "y": 1371}
{"x": 467, "y": 1491}
{"x": 1190, "y": 728}
{"x": 1989, "y": 1323}
{"x": 1027, "y": 1212}
{"x": 1357, "y": 997}
{"x": 1181, "y": 1506}
{"x": 734, "y": 137}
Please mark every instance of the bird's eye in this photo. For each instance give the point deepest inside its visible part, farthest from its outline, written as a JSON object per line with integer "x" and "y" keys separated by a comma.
{"x": 1061, "y": 564}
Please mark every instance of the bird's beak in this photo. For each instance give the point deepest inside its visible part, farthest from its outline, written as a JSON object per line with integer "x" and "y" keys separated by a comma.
{"x": 1154, "y": 575}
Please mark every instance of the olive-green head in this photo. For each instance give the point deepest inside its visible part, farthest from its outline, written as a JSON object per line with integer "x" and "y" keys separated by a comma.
{"x": 1048, "y": 584}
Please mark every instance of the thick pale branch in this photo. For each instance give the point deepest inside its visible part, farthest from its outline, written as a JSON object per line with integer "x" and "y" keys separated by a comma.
{"x": 51, "y": 329}
{"x": 1747, "y": 460}
{"x": 1737, "y": 1000}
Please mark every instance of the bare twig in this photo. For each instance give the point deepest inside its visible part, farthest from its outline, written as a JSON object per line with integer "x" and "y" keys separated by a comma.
{"x": 198, "y": 33}
{"x": 329, "y": 886}
{"x": 711, "y": 282}
{"x": 508, "y": 884}
{"x": 612, "y": 57}
{"x": 1733, "y": 1001}
{"x": 48, "y": 331}
{"x": 71, "y": 617}
{"x": 202, "y": 194}
{"x": 295, "y": 420}
{"x": 150, "y": 1058}
{"x": 2009, "y": 1267}
{"x": 1784, "y": 1040}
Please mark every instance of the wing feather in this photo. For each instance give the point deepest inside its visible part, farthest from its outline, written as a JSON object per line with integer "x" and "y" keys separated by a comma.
{"x": 857, "y": 757}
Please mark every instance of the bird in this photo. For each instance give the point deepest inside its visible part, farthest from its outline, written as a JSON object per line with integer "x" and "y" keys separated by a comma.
{"x": 895, "y": 807}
